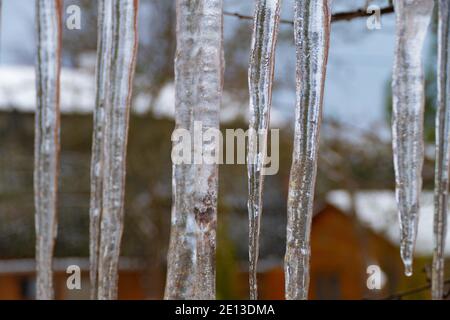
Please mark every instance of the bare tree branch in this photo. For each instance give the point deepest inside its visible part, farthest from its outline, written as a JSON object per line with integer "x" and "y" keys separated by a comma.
{"x": 400, "y": 295}
{"x": 340, "y": 16}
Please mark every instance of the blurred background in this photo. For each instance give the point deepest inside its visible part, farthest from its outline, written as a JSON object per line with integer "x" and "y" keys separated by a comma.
{"x": 355, "y": 223}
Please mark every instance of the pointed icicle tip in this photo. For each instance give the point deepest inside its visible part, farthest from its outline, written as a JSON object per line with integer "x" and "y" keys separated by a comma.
{"x": 407, "y": 259}
{"x": 408, "y": 269}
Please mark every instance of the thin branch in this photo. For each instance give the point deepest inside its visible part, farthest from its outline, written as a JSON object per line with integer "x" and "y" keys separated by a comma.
{"x": 244, "y": 17}
{"x": 360, "y": 13}
{"x": 340, "y": 16}
{"x": 400, "y": 295}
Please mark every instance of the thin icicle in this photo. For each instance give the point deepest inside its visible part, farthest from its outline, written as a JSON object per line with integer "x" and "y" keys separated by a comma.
{"x": 412, "y": 19}
{"x": 198, "y": 84}
{"x": 105, "y": 34}
{"x": 265, "y": 29}
{"x": 123, "y": 48}
{"x": 46, "y": 153}
{"x": 442, "y": 152}
{"x": 312, "y": 34}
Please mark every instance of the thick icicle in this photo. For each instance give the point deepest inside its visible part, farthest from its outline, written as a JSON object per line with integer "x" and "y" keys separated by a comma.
{"x": 198, "y": 84}
{"x": 104, "y": 40}
{"x": 412, "y": 19}
{"x": 442, "y": 152}
{"x": 312, "y": 34}
{"x": 265, "y": 29}
{"x": 46, "y": 153}
{"x": 121, "y": 17}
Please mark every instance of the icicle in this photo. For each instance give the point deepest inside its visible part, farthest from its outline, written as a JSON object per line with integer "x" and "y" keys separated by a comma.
{"x": 312, "y": 32}
{"x": 120, "y": 46}
{"x": 198, "y": 84}
{"x": 48, "y": 25}
{"x": 104, "y": 39}
{"x": 412, "y": 19}
{"x": 265, "y": 29}
{"x": 442, "y": 152}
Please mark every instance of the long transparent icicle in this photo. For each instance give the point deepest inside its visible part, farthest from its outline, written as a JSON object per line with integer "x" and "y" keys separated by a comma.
{"x": 412, "y": 19}
{"x": 104, "y": 40}
{"x": 312, "y": 35}
{"x": 198, "y": 85}
{"x": 442, "y": 152}
{"x": 260, "y": 76}
{"x": 46, "y": 153}
{"x": 123, "y": 46}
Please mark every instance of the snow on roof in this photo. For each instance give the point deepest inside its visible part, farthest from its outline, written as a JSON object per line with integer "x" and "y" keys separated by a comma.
{"x": 18, "y": 89}
{"x": 231, "y": 109}
{"x": 378, "y": 210}
{"x": 18, "y": 92}
{"x": 164, "y": 106}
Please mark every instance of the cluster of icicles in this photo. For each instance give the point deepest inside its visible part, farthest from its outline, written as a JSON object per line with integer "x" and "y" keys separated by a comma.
{"x": 198, "y": 79}
{"x": 117, "y": 46}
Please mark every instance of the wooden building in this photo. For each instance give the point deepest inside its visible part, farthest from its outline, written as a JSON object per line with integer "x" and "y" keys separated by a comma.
{"x": 341, "y": 248}
{"x": 17, "y": 279}
{"x": 341, "y": 251}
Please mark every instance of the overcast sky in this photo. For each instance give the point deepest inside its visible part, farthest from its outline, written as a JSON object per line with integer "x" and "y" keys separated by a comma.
{"x": 359, "y": 68}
